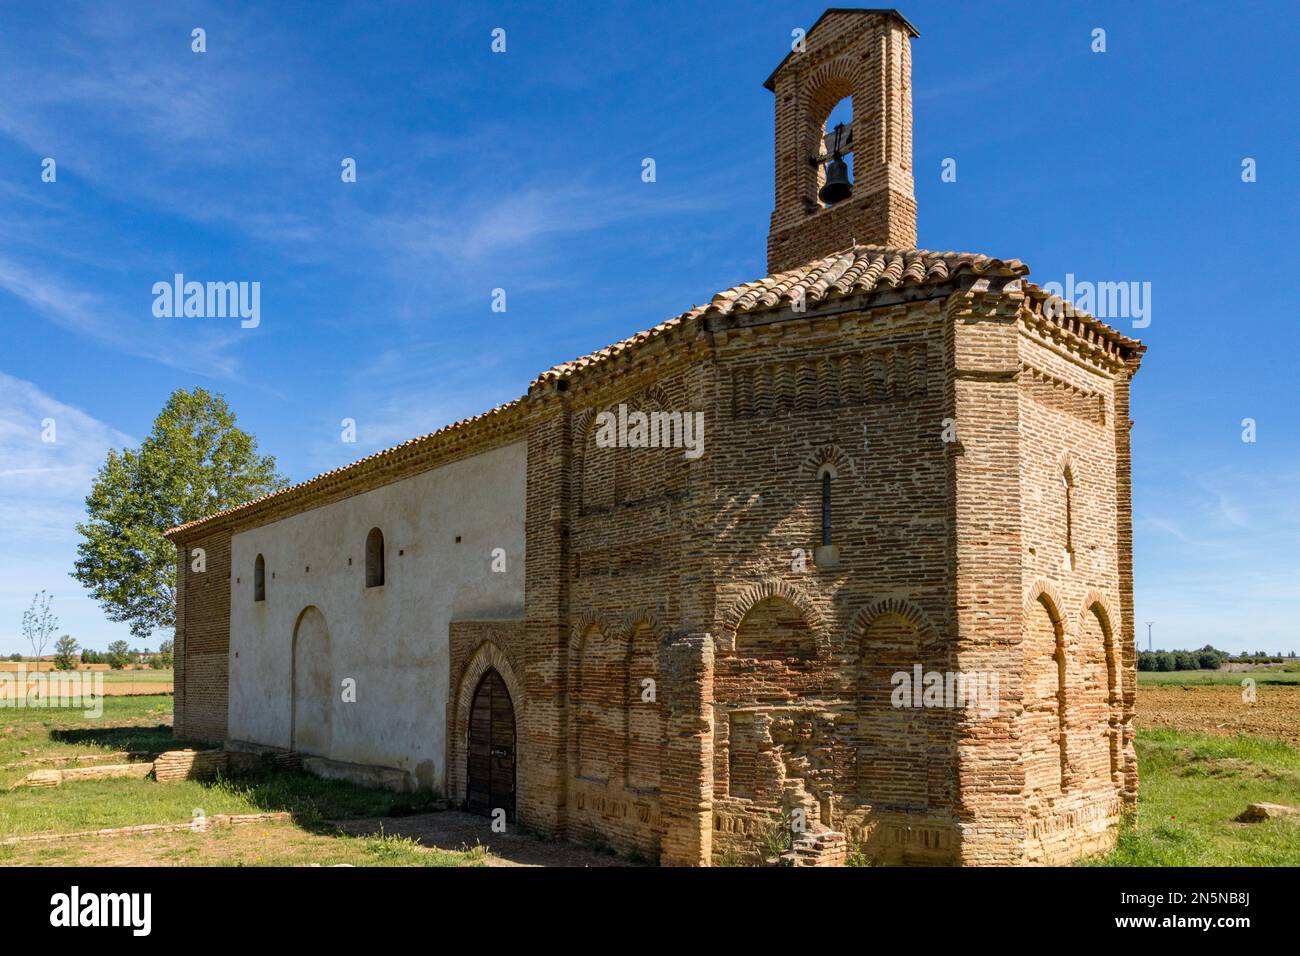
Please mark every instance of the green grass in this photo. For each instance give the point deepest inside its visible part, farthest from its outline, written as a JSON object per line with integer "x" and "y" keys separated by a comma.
{"x": 273, "y": 844}
{"x": 128, "y": 723}
{"x": 1260, "y": 677}
{"x": 1191, "y": 790}
{"x": 143, "y": 723}
{"x": 136, "y": 677}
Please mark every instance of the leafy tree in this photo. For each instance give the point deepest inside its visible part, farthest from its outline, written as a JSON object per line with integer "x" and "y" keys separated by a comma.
{"x": 39, "y": 623}
{"x": 16, "y": 657}
{"x": 65, "y": 649}
{"x": 119, "y": 655}
{"x": 1211, "y": 658}
{"x": 165, "y": 654}
{"x": 196, "y": 461}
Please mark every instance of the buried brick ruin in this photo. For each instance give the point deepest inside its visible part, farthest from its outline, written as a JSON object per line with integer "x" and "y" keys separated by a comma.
{"x": 909, "y": 465}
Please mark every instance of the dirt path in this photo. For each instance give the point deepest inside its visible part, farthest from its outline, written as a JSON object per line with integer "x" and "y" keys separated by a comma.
{"x": 453, "y": 830}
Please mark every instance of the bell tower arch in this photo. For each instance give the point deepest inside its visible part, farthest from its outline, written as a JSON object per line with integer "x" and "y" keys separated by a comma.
{"x": 865, "y": 55}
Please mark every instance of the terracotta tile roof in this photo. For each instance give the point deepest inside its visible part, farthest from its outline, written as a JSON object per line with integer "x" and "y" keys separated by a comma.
{"x": 566, "y": 369}
{"x": 854, "y": 271}
{"x": 411, "y": 446}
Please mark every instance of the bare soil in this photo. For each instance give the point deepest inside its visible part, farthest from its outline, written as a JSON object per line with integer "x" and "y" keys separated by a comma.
{"x": 1221, "y": 710}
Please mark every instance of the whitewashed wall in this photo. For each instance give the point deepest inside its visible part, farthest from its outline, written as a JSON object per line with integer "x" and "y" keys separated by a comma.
{"x": 393, "y": 640}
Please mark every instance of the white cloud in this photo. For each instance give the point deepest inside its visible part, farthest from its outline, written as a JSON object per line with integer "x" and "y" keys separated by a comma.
{"x": 43, "y": 486}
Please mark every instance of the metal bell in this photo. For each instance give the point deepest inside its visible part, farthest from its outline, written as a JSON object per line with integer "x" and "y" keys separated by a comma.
{"x": 837, "y": 185}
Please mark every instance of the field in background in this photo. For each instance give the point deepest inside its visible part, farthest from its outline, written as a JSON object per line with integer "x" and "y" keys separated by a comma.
{"x": 116, "y": 683}
{"x": 1263, "y": 675}
{"x": 1218, "y": 708}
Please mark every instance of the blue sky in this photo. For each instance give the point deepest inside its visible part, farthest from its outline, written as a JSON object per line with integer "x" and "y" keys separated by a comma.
{"x": 522, "y": 171}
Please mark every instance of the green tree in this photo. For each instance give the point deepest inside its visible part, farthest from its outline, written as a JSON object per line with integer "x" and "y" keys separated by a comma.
{"x": 165, "y": 656}
{"x": 65, "y": 649}
{"x": 195, "y": 462}
{"x": 119, "y": 655}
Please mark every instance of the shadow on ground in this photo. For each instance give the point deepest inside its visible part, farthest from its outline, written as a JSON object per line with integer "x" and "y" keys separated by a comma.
{"x": 149, "y": 739}
{"x": 326, "y": 807}
{"x": 454, "y": 830}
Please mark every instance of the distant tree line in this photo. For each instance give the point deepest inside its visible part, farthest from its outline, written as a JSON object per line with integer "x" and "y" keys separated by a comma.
{"x": 1208, "y": 658}
{"x": 1264, "y": 657}
{"x": 68, "y": 654}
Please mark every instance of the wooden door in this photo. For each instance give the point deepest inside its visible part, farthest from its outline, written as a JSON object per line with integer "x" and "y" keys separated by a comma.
{"x": 491, "y": 773}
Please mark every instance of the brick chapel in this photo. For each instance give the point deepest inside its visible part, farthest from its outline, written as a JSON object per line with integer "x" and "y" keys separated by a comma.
{"x": 914, "y": 466}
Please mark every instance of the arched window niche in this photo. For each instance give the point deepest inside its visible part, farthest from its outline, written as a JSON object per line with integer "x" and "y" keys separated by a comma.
{"x": 1067, "y": 554}
{"x": 375, "y": 558}
{"x": 259, "y": 579}
{"x": 827, "y": 552}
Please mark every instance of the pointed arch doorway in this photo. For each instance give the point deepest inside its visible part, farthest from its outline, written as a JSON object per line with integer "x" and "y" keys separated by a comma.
{"x": 490, "y": 775}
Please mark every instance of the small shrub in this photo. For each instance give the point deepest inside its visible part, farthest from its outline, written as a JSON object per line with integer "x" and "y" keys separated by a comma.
{"x": 857, "y": 855}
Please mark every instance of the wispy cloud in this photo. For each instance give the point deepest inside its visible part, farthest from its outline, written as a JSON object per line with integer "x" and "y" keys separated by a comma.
{"x": 1213, "y": 569}
{"x": 43, "y": 485}
{"x": 132, "y": 331}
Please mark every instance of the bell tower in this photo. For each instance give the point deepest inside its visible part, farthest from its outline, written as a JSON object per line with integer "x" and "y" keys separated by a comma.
{"x": 864, "y": 55}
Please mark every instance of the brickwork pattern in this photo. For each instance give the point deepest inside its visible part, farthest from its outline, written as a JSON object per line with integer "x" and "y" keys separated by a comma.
{"x": 202, "y": 640}
{"x": 866, "y": 56}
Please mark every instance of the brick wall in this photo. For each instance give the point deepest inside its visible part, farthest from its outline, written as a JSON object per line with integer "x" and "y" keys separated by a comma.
{"x": 202, "y": 642}
{"x": 811, "y": 725}
{"x": 866, "y": 56}
{"x": 1078, "y": 728}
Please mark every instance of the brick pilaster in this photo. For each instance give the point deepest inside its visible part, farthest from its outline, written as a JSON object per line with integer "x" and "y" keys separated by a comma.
{"x": 687, "y": 786}
{"x": 1124, "y": 549}
{"x": 544, "y": 728}
{"x": 986, "y": 555}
